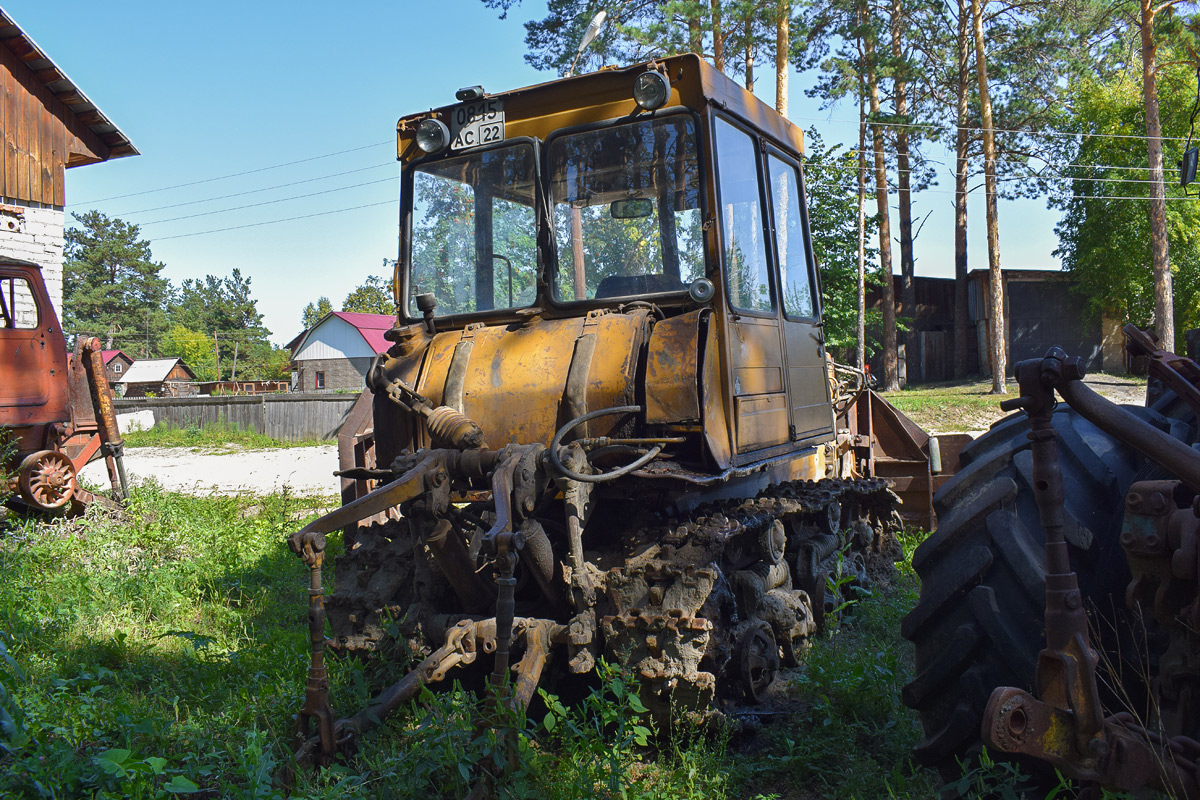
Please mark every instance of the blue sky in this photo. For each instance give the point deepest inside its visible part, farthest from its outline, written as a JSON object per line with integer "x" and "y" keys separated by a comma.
{"x": 222, "y": 89}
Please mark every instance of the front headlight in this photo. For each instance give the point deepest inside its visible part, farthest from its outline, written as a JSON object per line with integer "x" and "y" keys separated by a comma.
{"x": 432, "y": 135}
{"x": 651, "y": 90}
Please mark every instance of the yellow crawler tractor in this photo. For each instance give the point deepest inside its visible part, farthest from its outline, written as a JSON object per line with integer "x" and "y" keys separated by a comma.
{"x": 607, "y": 425}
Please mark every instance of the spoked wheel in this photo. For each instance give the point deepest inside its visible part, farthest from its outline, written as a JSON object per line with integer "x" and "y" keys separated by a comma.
{"x": 758, "y": 659}
{"x": 46, "y": 480}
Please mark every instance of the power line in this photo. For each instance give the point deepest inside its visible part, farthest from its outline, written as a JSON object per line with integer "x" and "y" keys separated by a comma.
{"x": 274, "y": 221}
{"x": 268, "y": 202}
{"x": 1047, "y": 132}
{"x": 255, "y": 191}
{"x": 1005, "y": 178}
{"x": 848, "y": 187}
{"x": 236, "y": 174}
{"x": 855, "y": 151}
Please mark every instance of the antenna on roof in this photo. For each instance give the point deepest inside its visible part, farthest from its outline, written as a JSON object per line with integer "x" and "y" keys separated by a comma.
{"x": 593, "y": 29}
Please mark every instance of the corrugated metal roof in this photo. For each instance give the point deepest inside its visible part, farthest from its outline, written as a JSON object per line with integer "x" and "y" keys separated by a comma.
{"x": 149, "y": 370}
{"x": 62, "y": 87}
{"x": 370, "y": 327}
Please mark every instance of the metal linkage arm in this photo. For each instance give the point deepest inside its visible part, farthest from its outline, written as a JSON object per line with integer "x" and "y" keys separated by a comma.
{"x": 1065, "y": 723}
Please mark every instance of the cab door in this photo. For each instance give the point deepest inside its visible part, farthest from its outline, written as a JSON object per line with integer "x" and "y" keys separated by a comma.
{"x": 756, "y": 365}
{"x": 810, "y": 413}
{"x": 33, "y": 357}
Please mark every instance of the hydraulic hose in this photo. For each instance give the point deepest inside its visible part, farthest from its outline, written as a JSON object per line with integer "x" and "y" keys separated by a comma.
{"x": 566, "y": 471}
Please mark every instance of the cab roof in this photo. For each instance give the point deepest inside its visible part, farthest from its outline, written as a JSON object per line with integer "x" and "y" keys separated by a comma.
{"x": 541, "y": 109}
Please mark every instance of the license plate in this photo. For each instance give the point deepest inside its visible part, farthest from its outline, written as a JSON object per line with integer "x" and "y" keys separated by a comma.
{"x": 475, "y": 124}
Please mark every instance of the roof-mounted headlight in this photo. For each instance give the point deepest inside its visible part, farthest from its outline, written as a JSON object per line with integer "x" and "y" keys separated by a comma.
{"x": 432, "y": 135}
{"x": 651, "y": 90}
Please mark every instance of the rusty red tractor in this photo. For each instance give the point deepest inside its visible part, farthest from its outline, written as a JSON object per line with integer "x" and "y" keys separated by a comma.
{"x": 56, "y": 407}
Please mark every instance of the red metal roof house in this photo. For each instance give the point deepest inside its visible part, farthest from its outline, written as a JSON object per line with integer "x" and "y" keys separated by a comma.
{"x": 336, "y": 353}
{"x": 116, "y": 364}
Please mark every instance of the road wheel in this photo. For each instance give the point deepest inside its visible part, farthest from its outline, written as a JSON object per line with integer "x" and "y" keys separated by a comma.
{"x": 46, "y": 480}
{"x": 979, "y": 621}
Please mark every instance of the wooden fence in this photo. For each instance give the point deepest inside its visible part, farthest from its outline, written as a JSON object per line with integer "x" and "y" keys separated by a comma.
{"x": 290, "y": 417}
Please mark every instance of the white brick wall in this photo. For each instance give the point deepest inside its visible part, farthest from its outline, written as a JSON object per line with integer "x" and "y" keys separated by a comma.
{"x": 36, "y": 234}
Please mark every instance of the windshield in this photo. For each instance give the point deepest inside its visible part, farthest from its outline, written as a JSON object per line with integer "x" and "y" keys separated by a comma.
{"x": 626, "y": 209}
{"x": 474, "y": 231}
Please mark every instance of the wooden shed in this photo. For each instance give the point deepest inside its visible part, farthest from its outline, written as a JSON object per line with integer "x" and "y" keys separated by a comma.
{"x": 158, "y": 377}
{"x": 48, "y": 125}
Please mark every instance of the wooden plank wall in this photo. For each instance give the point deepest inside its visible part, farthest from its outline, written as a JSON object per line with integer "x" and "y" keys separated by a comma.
{"x": 37, "y": 139}
{"x": 290, "y": 417}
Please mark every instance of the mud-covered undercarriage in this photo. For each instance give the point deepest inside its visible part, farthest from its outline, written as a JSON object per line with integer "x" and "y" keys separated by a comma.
{"x": 482, "y": 552}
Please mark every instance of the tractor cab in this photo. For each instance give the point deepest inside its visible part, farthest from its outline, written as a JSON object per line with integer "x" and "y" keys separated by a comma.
{"x": 663, "y": 193}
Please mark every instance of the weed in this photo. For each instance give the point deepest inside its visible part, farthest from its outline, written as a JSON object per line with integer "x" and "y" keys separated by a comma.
{"x": 138, "y": 778}
{"x": 213, "y": 436}
{"x": 8, "y": 449}
{"x": 969, "y": 405}
{"x": 178, "y": 632}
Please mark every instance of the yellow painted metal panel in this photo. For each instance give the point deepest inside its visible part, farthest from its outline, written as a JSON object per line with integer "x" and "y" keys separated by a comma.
{"x": 756, "y": 356}
{"x": 614, "y": 366}
{"x": 757, "y": 380}
{"x": 515, "y": 377}
{"x": 716, "y": 426}
{"x": 672, "y": 394}
{"x": 762, "y": 421}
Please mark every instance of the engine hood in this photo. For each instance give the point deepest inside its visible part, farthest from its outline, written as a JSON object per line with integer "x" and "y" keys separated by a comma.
{"x": 521, "y": 382}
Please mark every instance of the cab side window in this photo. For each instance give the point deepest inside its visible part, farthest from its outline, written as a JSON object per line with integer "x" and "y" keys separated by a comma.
{"x": 747, "y": 271}
{"x": 17, "y": 306}
{"x": 795, "y": 279}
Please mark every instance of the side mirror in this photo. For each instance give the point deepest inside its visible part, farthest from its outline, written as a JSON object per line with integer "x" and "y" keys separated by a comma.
{"x": 636, "y": 208}
{"x": 1187, "y": 166}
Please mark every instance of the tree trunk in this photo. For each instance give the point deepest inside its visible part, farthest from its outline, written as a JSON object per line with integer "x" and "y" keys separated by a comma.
{"x": 749, "y": 56}
{"x": 861, "y": 329}
{"x": 580, "y": 272}
{"x": 718, "y": 37}
{"x": 891, "y": 373}
{"x": 998, "y": 341}
{"x": 695, "y": 35}
{"x": 1164, "y": 302}
{"x": 962, "y": 141}
{"x": 782, "y": 45}
{"x": 908, "y": 291}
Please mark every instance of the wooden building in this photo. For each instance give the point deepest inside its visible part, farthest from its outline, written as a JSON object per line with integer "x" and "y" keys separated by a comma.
{"x": 158, "y": 377}
{"x": 48, "y": 125}
{"x": 237, "y": 387}
{"x": 1040, "y": 312}
{"x": 116, "y": 364}
{"x": 336, "y": 353}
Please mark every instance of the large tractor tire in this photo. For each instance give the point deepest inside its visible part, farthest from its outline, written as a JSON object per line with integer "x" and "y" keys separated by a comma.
{"x": 979, "y": 621}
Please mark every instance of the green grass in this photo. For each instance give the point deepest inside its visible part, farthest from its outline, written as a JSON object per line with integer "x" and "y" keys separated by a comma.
{"x": 219, "y": 437}
{"x": 165, "y": 649}
{"x": 851, "y": 736}
{"x": 960, "y": 406}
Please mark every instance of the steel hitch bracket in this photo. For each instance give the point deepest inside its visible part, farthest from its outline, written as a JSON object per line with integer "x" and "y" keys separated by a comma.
{"x": 516, "y": 482}
{"x": 1064, "y": 724}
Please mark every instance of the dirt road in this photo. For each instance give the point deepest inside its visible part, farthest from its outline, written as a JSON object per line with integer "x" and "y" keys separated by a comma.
{"x": 309, "y": 470}
{"x": 304, "y": 470}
